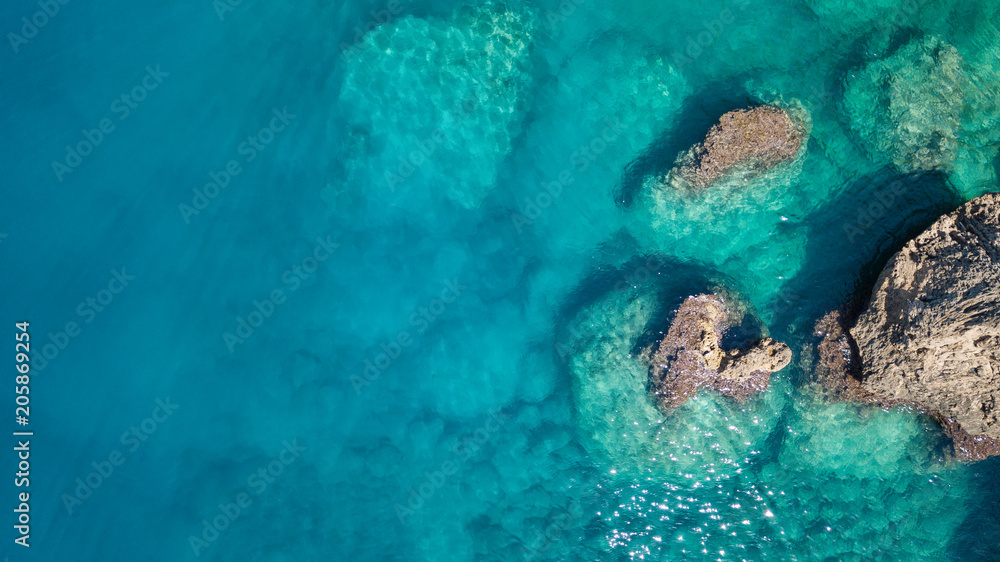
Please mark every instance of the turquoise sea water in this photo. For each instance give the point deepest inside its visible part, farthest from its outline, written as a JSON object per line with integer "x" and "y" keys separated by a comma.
{"x": 403, "y": 321}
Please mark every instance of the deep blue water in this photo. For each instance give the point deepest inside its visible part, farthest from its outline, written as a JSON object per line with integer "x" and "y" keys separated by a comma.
{"x": 378, "y": 296}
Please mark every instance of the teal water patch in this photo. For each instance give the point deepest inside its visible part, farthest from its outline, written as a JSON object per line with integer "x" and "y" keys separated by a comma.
{"x": 862, "y": 513}
{"x": 585, "y": 130}
{"x": 934, "y": 111}
{"x": 464, "y": 368}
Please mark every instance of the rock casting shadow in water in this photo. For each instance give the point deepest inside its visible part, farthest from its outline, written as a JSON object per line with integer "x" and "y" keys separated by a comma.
{"x": 692, "y": 356}
{"x": 609, "y": 328}
{"x": 852, "y": 238}
{"x": 697, "y": 116}
{"x": 671, "y": 279}
{"x": 909, "y": 345}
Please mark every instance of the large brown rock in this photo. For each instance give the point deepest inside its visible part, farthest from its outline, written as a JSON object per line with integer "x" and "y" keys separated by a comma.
{"x": 750, "y": 140}
{"x": 691, "y": 356}
{"x": 930, "y": 334}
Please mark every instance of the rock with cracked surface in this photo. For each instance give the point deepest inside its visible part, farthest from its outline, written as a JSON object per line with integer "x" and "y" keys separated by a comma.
{"x": 691, "y": 356}
{"x": 839, "y": 372}
{"x": 931, "y": 331}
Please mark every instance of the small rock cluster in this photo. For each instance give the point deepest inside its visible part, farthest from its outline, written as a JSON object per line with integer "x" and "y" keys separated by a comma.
{"x": 690, "y": 356}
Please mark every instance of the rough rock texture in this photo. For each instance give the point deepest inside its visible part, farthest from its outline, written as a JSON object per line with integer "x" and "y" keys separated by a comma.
{"x": 838, "y": 369}
{"x": 909, "y": 105}
{"x": 931, "y": 332}
{"x": 754, "y": 140}
{"x": 930, "y": 335}
{"x": 442, "y": 97}
{"x": 690, "y": 356}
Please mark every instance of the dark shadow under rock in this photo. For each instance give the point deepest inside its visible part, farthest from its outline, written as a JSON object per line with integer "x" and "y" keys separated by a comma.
{"x": 699, "y": 113}
{"x": 866, "y": 224}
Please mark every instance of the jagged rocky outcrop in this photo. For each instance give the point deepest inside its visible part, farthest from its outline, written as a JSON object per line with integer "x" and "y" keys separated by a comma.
{"x": 929, "y": 336}
{"x": 691, "y": 356}
{"x": 744, "y": 140}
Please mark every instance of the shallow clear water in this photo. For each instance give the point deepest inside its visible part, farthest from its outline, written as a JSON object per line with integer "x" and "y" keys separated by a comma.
{"x": 460, "y": 211}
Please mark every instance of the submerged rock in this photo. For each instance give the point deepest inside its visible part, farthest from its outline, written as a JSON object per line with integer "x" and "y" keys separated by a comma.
{"x": 439, "y": 98}
{"x": 930, "y": 334}
{"x": 909, "y": 105}
{"x": 748, "y": 140}
{"x": 691, "y": 356}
